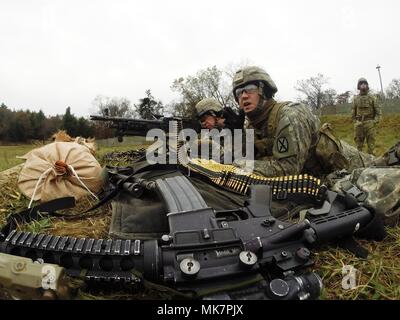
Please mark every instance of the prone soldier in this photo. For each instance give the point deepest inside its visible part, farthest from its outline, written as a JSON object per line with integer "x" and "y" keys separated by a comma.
{"x": 212, "y": 115}
{"x": 289, "y": 138}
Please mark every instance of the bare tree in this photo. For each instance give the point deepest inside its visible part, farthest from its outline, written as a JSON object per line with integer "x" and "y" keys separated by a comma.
{"x": 207, "y": 83}
{"x": 343, "y": 97}
{"x": 117, "y": 107}
{"x": 314, "y": 93}
{"x": 393, "y": 90}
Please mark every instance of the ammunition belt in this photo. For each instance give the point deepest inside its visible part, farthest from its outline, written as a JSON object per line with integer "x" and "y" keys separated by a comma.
{"x": 103, "y": 260}
{"x": 238, "y": 181}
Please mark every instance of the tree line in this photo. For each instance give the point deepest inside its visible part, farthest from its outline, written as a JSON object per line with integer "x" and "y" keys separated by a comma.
{"x": 212, "y": 82}
{"x": 26, "y": 125}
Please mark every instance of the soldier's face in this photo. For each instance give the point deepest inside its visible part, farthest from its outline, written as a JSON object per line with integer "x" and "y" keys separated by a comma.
{"x": 248, "y": 100}
{"x": 363, "y": 86}
{"x": 208, "y": 122}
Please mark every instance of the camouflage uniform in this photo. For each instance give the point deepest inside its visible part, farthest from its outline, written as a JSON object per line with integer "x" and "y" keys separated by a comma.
{"x": 289, "y": 139}
{"x": 366, "y": 114}
{"x": 283, "y": 149}
{"x": 376, "y": 187}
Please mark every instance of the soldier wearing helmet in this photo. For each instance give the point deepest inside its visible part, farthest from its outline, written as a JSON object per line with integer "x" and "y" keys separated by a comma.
{"x": 209, "y": 113}
{"x": 366, "y": 115}
{"x": 288, "y": 136}
{"x": 285, "y": 132}
{"x": 212, "y": 115}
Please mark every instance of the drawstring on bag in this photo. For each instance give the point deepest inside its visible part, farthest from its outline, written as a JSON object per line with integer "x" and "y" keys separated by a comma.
{"x": 60, "y": 168}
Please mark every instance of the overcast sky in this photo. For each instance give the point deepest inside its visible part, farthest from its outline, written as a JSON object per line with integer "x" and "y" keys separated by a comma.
{"x": 55, "y": 54}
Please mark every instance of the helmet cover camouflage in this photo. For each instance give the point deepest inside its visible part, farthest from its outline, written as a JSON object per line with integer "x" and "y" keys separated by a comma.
{"x": 252, "y": 74}
{"x": 208, "y": 105}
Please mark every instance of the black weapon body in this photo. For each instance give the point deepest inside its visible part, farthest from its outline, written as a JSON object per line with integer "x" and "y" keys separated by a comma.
{"x": 140, "y": 127}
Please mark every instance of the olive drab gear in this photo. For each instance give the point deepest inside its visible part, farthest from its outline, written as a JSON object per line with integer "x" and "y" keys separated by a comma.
{"x": 376, "y": 187}
{"x": 149, "y": 218}
{"x": 264, "y": 138}
{"x": 284, "y": 137}
{"x": 208, "y": 105}
{"x": 23, "y": 279}
{"x": 252, "y": 74}
{"x": 290, "y": 140}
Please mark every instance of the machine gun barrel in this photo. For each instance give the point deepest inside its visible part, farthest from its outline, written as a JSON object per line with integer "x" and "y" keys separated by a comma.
{"x": 140, "y": 127}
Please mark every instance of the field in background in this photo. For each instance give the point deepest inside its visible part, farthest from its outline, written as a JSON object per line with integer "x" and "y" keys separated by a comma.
{"x": 388, "y": 106}
{"x": 112, "y": 144}
{"x": 8, "y": 155}
{"x": 388, "y": 133}
{"x": 388, "y": 130}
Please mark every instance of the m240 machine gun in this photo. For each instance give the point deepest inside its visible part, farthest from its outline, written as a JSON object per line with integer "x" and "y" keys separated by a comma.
{"x": 140, "y": 127}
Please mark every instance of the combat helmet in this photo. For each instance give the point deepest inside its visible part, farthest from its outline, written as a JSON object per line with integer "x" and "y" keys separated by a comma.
{"x": 208, "y": 105}
{"x": 253, "y": 75}
{"x": 361, "y": 80}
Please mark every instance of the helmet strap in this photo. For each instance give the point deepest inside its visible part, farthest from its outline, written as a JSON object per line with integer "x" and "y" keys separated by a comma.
{"x": 262, "y": 96}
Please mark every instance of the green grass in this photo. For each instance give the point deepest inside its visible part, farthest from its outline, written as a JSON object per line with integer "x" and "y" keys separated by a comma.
{"x": 388, "y": 130}
{"x": 8, "y": 155}
{"x": 388, "y": 107}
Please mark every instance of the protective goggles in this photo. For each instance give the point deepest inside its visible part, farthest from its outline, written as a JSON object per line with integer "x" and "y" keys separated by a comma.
{"x": 250, "y": 88}
{"x": 203, "y": 115}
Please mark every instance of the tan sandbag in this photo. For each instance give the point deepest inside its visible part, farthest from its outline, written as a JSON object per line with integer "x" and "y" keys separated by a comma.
{"x": 60, "y": 169}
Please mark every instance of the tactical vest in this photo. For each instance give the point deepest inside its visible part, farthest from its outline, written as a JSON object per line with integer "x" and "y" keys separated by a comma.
{"x": 264, "y": 138}
{"x": 326, "y": 151}
{"x": 364, "y": 107}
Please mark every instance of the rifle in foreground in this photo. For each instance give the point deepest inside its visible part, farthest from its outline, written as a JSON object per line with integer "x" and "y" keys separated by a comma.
{"x": 232, "y": 254}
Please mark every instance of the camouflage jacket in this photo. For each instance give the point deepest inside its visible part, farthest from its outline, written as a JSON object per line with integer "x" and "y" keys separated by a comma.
{"x": 284, "y": 141}
{"x": 366, "y": 107}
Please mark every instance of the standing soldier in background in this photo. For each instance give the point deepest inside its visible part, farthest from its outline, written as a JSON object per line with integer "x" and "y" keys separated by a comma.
{"x": 366, "y": 114}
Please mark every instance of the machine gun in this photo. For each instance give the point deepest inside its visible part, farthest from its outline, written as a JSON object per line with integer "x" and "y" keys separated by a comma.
{"x": 140, "y": 127}
{"x": 231, "y": 254}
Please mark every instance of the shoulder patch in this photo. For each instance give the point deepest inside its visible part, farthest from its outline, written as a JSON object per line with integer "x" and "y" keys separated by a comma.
{"x": 282, "y": 145}
{"x": 285, "y": 144}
